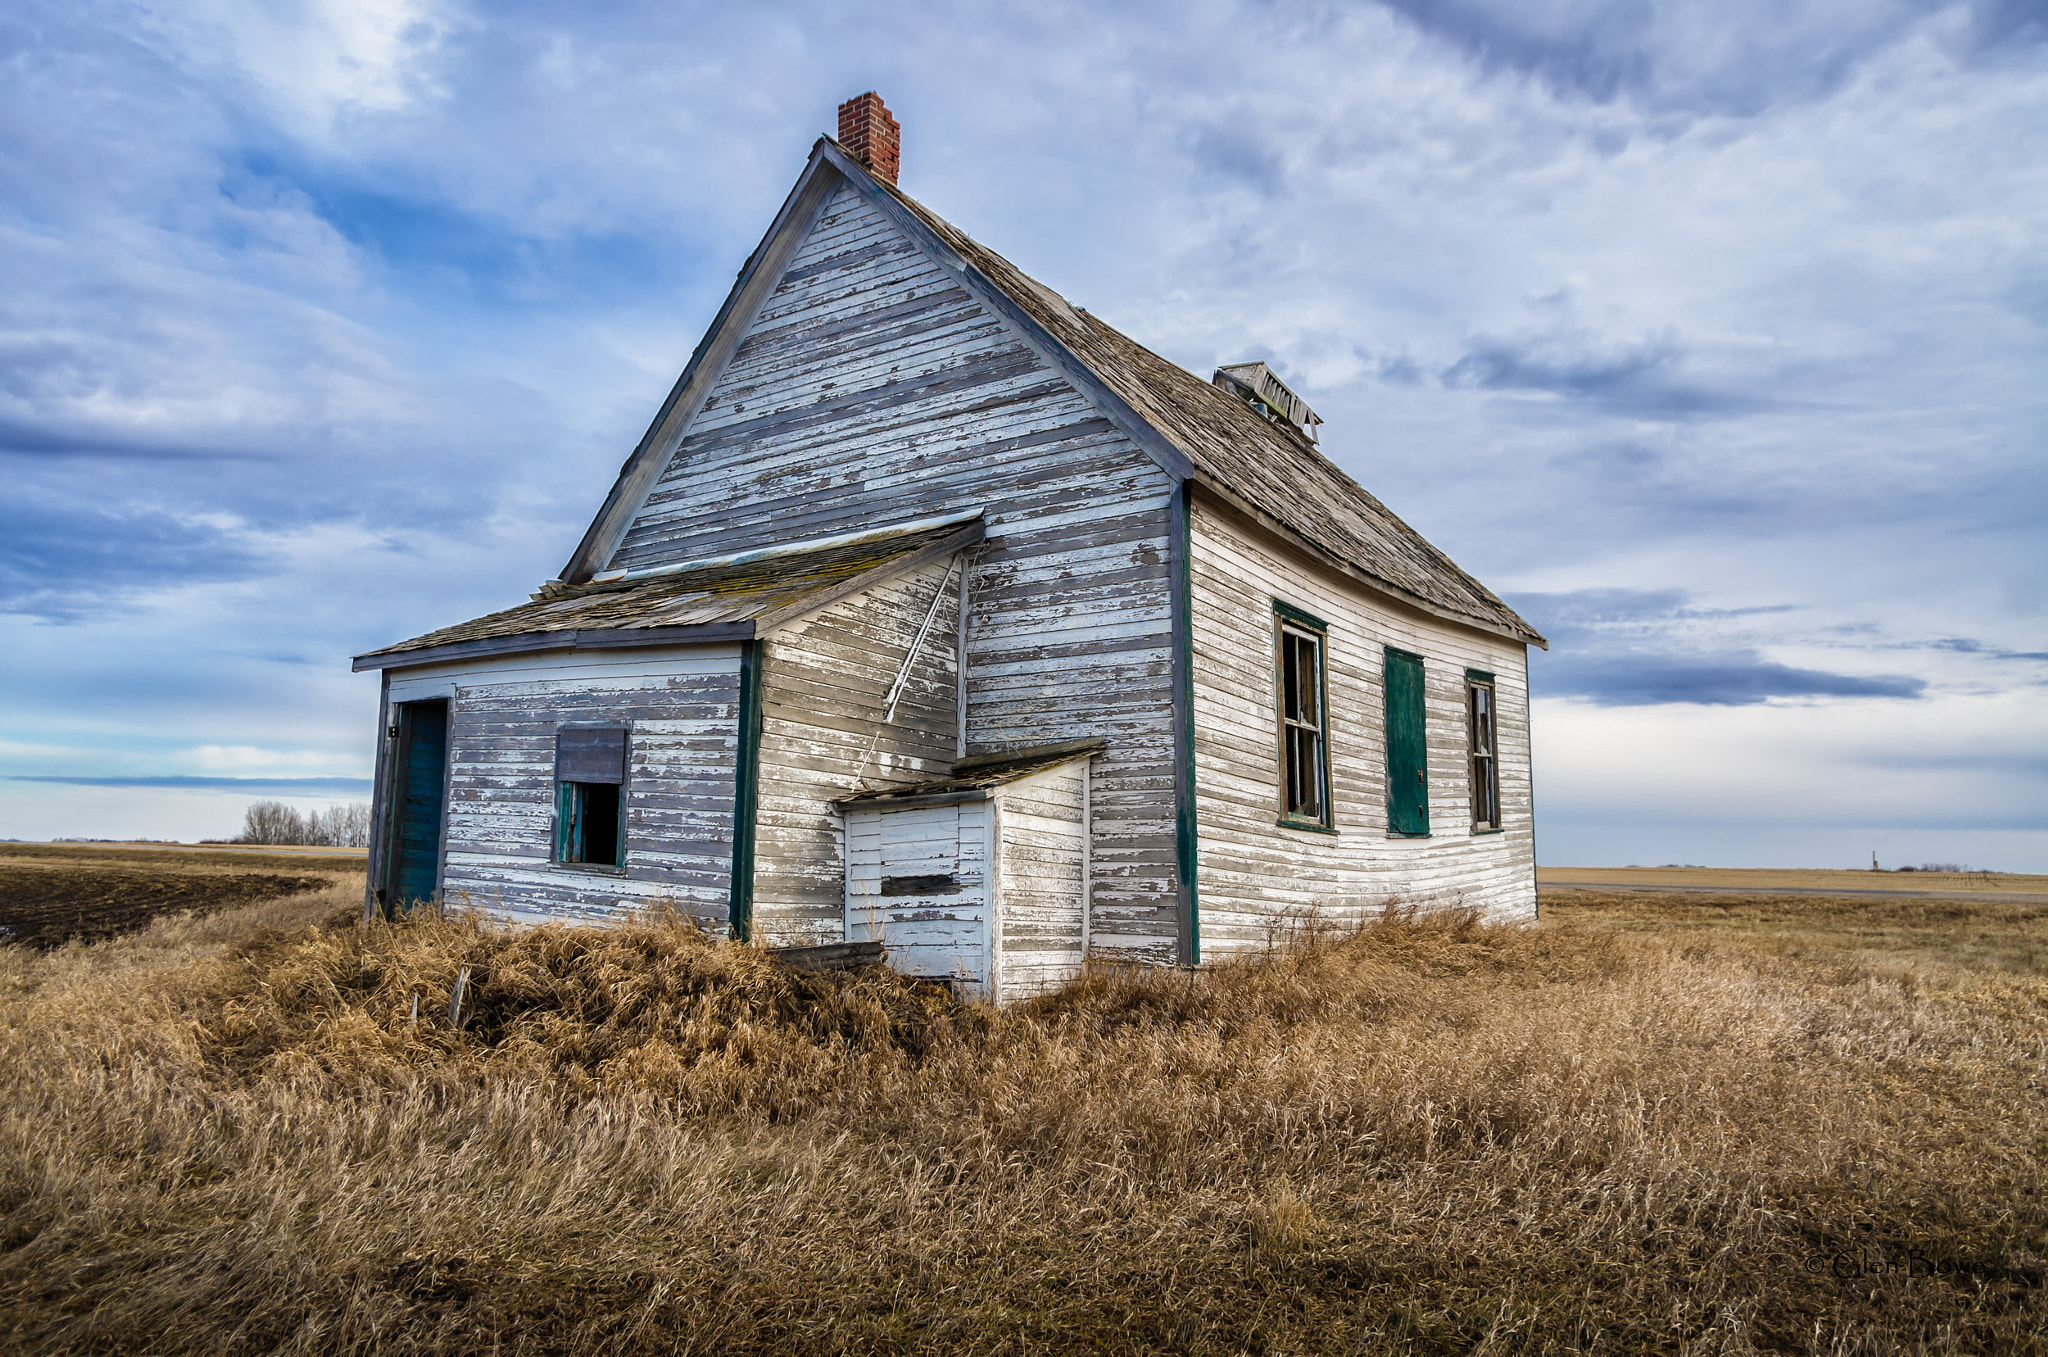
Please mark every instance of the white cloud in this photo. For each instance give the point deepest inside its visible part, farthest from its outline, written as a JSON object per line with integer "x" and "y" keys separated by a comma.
{"x": 249, "y": 758}
{"x": 315, "y": 61}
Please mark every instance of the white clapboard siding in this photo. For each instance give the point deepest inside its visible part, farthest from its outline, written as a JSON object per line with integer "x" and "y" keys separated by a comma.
{"x": 919, "y": 880}
{"x": 1258, "y": 880}
{"x": 871, "y": 388}
{"x": 825, "y": 681}
{"x": 682, "y": 707}
{"x": 941, "y": 933}
{"x": 1042, "y": 856}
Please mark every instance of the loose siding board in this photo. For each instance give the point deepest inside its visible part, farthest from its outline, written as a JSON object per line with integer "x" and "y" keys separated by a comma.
{"x": 872, "y": 388}
{"x": 1257, "y": 879}
{"x": 681, "y": 705}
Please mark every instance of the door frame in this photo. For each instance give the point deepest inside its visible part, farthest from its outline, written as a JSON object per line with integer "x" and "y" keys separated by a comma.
{"x": 398, "y": 739}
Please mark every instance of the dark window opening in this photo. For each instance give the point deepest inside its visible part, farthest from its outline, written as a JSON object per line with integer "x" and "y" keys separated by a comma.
{"x": 590, "y": 797}
{"x": 1304, "y": 728}
{"x": 1482, "y": 729}
{"x": 590, "y": 814}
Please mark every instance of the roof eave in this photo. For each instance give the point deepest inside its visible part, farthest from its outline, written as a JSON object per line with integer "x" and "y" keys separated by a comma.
{"x": 1527, "y": 635}
{"x": 592, "y": 638}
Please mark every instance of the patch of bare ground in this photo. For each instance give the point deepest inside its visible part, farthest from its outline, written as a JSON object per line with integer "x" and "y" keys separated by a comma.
{"x": 1430, "y": 1136}
{"x": 53, "y": 893}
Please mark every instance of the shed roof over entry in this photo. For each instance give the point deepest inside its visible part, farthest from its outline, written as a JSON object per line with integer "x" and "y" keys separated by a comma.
{"x": 727, "y": 598}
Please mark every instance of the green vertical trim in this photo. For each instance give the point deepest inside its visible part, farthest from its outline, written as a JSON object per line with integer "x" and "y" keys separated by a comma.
{"x": 375, "y": 892}
{"x": 1186, "y": 856}
{"x": 625, "y": 788}
{"x": 565, "y": 816}
{"x": 746, "y": 795}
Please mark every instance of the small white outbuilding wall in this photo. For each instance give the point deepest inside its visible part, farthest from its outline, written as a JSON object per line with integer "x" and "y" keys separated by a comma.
{"x": 985, "y": 888}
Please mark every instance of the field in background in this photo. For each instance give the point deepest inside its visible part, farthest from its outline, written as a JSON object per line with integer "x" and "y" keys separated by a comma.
{"x": 1625, "y": 1131}
{"x": 1795, "y": 879}
{"x": 1987, "y": 932}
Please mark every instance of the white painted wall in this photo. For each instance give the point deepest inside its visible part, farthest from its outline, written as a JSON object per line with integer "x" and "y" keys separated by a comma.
{"x": 1255, "y": 877}
{"x": 825, "y": 682}
{"x": 1041, "y": 854}
{"x": 872, "y": 388}
{"x": 941, "y": 933}
{"x": 682, "y": 705}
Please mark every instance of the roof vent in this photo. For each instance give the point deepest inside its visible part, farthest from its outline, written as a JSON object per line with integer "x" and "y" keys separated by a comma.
{"x": 1256, "y": 386}
{"x": 870, "y": 135}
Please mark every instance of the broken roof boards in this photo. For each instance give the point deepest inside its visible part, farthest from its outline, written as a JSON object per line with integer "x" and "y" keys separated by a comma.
{"x": 907, "y": 504}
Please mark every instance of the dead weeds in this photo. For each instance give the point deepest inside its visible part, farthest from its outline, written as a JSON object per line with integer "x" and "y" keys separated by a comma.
{"x": 1430, "y": 1135}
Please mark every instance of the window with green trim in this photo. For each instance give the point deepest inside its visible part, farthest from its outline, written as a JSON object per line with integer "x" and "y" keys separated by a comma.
{"x": 590, "y": 796}
{"x": 1300, "y": 693}
{"x": 1407, "y": 745}
{"x": 1482, "y": 736}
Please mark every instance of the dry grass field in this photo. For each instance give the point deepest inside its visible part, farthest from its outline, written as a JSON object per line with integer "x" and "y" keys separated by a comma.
{"x": 1619, "y": 1132}
{"x": 1905, "y": 934}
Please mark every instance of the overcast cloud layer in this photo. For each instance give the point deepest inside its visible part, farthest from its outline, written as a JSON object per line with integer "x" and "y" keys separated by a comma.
{"x": 1714, "y": 336}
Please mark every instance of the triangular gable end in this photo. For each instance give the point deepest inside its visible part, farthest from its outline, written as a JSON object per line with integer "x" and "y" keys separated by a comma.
{"x": 829, "y": 177}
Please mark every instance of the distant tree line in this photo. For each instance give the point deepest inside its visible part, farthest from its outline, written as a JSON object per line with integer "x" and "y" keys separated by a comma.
{"x": 336, "y": 827}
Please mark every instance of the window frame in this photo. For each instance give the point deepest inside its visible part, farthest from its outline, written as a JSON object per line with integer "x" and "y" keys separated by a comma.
{"x": 572, "y": 795}
{"x": 1483, "y": 764}
{"x": 1304, "y": 626}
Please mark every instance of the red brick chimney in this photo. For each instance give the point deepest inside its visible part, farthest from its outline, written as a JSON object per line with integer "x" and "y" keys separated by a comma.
{"x": 870, "y": 135}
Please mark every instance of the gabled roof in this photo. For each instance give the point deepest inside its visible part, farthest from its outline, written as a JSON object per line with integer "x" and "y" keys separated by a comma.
{"x": 729, "y": 598}
{"x": 1197, "y": 431}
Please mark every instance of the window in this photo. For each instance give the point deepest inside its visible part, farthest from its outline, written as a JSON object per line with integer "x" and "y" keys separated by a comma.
{"x": 590, "y": 797}
{"x": 1304, "y": 723}
{"x": 1407, "y": 746}
{"x": 1482, "y": 734}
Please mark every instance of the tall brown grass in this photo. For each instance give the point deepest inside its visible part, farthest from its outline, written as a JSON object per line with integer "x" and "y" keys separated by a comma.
{"x": 1430, "y": 1135}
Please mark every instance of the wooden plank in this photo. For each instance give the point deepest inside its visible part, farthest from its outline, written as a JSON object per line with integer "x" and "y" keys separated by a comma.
{"x": 830, "y": 956}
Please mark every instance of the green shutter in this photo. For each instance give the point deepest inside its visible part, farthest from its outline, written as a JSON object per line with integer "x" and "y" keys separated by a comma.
{"x": 1407, "y": 746}
{"x": 746, "y": 797}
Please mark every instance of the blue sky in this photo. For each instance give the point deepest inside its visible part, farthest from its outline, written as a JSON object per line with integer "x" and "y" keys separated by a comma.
{"x": 1715, "y": 336}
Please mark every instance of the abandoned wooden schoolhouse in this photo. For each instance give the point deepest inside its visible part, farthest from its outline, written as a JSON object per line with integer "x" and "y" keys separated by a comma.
{"x": 933, "y": 610}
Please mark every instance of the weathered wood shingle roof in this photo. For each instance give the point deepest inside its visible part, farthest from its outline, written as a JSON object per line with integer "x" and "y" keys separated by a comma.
{"x": 731, "y": 598}
{"x": 1263, "y": 467}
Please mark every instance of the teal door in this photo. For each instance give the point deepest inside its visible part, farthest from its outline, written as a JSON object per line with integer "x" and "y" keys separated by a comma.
{"x": 419, "y": 788}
